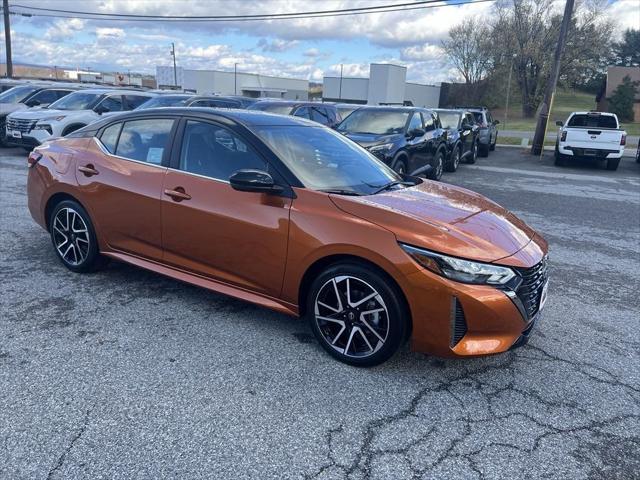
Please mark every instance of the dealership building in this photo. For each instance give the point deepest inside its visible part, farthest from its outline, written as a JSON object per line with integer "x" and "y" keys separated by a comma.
{"x": 387, "y": 85}
{"x": 232, "y": 83}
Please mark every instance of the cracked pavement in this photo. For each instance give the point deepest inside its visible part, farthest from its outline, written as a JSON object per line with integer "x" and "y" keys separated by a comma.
{"x": 128, "y": 374}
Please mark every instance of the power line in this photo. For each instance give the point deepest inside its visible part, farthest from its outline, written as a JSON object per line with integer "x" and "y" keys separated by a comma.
{"x": 421, "y": 5}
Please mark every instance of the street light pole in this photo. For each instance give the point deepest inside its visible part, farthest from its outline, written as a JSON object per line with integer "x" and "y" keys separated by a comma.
{"x": 340, "y": 91}
{"x": 235, "y": 78}
{"x": 7, "y": 37}
{"x": 506, "y": 108}
{"x": 175, "y": 70}
{"x": 543, "y": 116}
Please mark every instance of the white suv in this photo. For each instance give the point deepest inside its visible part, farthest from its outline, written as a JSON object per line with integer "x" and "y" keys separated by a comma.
{"x": 30, "y": 128}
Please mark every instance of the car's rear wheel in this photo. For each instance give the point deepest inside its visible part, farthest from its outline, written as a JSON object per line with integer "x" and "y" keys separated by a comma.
{"x": 474, "y": 154}
{"x": 612, "y": 163}
{"x": 356, "y": 315}
{"x": 438, "y": 166}
{"x": 454, "y": 161}
{"x": 493, "y": 145}
{"x": 74, "y": 238}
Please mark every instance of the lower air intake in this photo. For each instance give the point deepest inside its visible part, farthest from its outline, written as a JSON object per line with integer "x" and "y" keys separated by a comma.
{"x": 458, "y": 322}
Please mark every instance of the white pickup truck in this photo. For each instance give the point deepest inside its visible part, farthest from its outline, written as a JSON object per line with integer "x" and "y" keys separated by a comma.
{"x": 591, "y": 135}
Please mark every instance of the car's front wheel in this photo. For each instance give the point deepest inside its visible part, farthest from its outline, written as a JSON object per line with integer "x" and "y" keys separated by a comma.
{"x": 74, "y": 238}
{"x": 438, "y": 166}
{"x": 454, "y": 161}
{"x": 474, "y": 154}
{"x": 356, "y": 315}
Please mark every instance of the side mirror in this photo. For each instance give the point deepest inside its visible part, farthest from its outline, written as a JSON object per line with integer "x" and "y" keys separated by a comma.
{"x": 248, "y": 180}
{"x": 416, "y": 132}
{"x": 496, "y": 122}
{"x": 32, "y": 103}
{"x": 100, "y": 109}
{"x": 559, "y": 123}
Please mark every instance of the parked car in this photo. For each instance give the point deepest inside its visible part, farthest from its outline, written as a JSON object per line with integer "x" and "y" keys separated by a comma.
{"x": 488, "y": 136}
{"x": 32, "y": 127}
{"x": 590, "y": 135}
{"x": 295, "y": 217}
{"x": 26, "y": 96}
{"x": 322, "y": 113}
{"x": 245, "y": 102}
{"x": 188, "y": 100}
{"x": 462, "y": 137}
{"x": 409, "y": 140}
{"x": 638, "y": 153}
{"x": 346, "y": 109}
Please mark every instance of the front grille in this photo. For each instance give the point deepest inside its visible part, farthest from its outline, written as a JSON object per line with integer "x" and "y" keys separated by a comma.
{"x": 23, "y": 126}
{"x": 458, "y": 322}
{"x": 530, "y": 290}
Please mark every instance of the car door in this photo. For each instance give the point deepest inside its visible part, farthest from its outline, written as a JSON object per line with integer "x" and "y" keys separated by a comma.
{"x": 416, "y": 146}
{"x": 210, "y": 229}
{"x": 120, "y": 180}
{"x": 466, "y": 133}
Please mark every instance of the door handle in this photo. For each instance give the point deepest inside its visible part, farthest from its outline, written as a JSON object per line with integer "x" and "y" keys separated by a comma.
{"x": 178, "y": 194}
{"x": 88, "y": 170}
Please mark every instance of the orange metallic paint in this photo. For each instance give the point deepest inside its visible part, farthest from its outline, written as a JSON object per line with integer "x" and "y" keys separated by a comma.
{"x": 258, "y": 247}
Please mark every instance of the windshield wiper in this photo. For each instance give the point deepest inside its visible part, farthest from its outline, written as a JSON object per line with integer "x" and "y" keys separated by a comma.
{"x": 340, "y": 191}
{"x": 387, "y": 186}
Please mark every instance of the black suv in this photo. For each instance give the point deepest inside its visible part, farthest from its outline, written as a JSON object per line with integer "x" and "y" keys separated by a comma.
{"x": 323, "y": 113}
{"x": 488, "y": 129}
{"x": 409, "y": 140}
{"x": 462, "y": 137}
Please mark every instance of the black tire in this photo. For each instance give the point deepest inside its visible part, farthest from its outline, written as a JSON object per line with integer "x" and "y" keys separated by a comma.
{"x": 483, "y": 150}
{"x": 3, "y": 132}
{"x": 492, "y": 147}
{"x": 345, "y": 332}
{"x": 454, "y": 160}
{"x": 471, "y": 159}
{"x": 438, "y": 166}
{"x": 559, "y": 159}
{"x": 612, "y": 164}
{"x": 400, "y": 165}
{"x": 71, "y": 129}
{"x": 84, "y": 247}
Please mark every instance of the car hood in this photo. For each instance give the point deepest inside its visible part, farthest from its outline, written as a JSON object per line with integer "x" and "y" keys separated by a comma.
{"x": 445, "y": 219}
{"x": 38, "y": 114}
{"x": 369, "y": 139}
{"x": 7, "y": 108}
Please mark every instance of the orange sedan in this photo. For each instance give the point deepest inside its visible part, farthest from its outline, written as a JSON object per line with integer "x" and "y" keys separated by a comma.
{"x": 293, "y": 216}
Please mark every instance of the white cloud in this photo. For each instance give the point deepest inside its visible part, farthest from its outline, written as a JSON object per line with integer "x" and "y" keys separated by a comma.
{"x": 422, "y": 52}
{"x": 64, "y": 29}
{"x": 625, "y": 14}
{"x": 110, "y": 32}
{"x": 277, "y": 45}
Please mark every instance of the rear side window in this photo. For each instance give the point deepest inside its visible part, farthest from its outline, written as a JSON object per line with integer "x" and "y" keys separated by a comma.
{"x": 215, "y": 152}
{"x": 112, "y": 104}
{"x": 134, "y": 101}
{"x": 478, "y": 117}
{"x": 303, "y": 112}
{"x": 319, "y": 114}
{"x": 109, "y": 137}
{"x": 429, "y": 124}
{"x": 45, "y": 97}
{"x": 593, "y": 121}
{"x": 145, "y": 140}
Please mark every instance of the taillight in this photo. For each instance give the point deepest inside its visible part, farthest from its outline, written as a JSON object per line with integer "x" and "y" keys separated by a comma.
{"x": 34, "y": 157}
{"x": 563, "y": 136}
{"x": 623, "y": 140}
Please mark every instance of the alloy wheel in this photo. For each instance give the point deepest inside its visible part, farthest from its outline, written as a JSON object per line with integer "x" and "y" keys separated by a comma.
{"x": 351, "y": 316}
{"x": 439, "y": 167}
{"x": 456, "y": 158}
{"x": 70, "y": 236}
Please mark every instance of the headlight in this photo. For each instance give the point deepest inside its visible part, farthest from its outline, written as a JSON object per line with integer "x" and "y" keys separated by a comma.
{"x": 55, "y": 119}
{"x": 460, "y": 270}
{"x": 385, "y": 147}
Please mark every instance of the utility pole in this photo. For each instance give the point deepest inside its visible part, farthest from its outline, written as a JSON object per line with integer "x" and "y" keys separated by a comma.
{"x": 506, "y": 108}
{"x": 7, "y": 37}
{"x": 175, "y": 70}
{"x": 340, "y": 92}
{"x": 235, "y": 78}
{"x": 543, "y": 116}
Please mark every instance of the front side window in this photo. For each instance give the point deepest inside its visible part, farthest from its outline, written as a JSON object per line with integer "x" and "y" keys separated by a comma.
{"x": 325, "y": 160}
{"x": 319, "y": 114}
{"x": 109, "y": 137}
{"x": 112, "y": 104}
{"x": 44, "y": 97}
{"x": 145, "y": 140}
{"x": 303, "y": 112}
{"x": 377, "y": 122}
{"x": 134, "y": 101}
{"x": 216, "y": 152}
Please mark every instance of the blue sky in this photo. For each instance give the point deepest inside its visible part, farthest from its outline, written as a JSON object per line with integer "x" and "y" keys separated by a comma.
{"x": 309, "y": 48}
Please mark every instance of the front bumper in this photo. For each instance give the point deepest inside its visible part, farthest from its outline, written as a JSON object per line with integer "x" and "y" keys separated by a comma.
{"x": 452, "y": 319}
{"x": 31, "y": 138}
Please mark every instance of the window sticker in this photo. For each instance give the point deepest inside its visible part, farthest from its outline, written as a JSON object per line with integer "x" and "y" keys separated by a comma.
{"x": 154, "y": 155}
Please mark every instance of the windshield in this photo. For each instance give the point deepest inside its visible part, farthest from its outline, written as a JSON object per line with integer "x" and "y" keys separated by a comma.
{"x": 593, "y": 121}
{"x": 378, "y": 122}
{"x": 449, "y": 119}
{"x": 17, "y": 94}
{"x": 165, "y": 101}
{"x": 282, "y": 109}
{"x": 76, "y": 101}
{"x": 325, "y": 160}
{"x": 346, "y": 111}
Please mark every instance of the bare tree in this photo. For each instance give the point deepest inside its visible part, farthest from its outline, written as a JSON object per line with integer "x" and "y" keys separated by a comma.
{"x": 468, "y": 49}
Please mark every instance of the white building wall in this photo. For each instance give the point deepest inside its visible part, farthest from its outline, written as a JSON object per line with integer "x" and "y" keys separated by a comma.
{"x": 386, "y": 84}
{"x": 353, "y": 89}
{"x": 422, "y": 95}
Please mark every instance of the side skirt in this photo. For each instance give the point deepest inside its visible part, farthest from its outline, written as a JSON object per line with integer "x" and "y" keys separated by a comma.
{"x": 205, "y": 282}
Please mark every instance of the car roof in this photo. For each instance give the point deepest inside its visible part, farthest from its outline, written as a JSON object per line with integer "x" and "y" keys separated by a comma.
{"x": 300, "y": 103}
{"x": 101, "y": 91}
{"x": 394, "y": 108}
{"x": 248, "y": 118}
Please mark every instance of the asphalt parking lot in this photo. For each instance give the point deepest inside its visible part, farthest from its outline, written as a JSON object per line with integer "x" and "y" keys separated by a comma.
{"x": 127, "y": 374}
